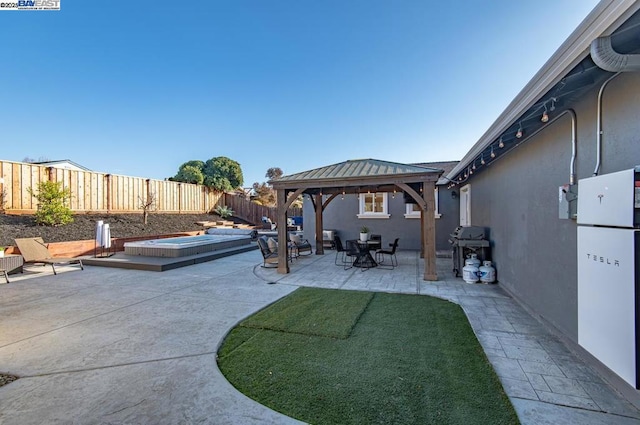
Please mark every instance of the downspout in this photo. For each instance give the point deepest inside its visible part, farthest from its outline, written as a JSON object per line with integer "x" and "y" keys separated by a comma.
{"x": 608, "y": 59}
{"x": 599, "y": 125}
{"x": 574, "y": 143}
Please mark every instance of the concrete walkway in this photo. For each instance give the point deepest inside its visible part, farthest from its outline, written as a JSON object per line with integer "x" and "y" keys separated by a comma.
{"x": 121, "y": 346}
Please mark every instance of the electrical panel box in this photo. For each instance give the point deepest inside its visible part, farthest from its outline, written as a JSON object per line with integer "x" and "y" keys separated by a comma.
{"x": 567, "y": 202}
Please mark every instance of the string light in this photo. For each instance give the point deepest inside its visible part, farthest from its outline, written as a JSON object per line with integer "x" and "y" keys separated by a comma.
{"x": 519, "y": 132}
{"x": 545, "y": 116}
{"x": 493, "y": 154}
{"x": 474, "y": 165}
{"x": 482, "y": 160}
{"x": 501, "y": 143}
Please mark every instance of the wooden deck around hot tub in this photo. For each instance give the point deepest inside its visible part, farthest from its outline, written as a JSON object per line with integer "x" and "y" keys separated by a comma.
{"x": 161, "y": 264}
{"x": 161, "y": 250}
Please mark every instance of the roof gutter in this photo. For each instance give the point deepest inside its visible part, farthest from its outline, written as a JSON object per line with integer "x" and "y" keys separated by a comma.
{"x": 607, "y": 16}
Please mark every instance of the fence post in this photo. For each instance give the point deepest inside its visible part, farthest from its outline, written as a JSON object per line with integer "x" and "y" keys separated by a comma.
{"x": 148, "y": 189}
{"x": 179, "y": 198}
{"x": 51, "y": 174}
{"x": 108, "y": 177}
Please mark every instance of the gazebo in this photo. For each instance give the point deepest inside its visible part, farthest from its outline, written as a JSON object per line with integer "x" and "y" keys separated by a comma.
{"x": 324, "y": 184}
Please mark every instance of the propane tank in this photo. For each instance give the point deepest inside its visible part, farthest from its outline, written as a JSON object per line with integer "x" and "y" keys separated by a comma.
{"x": 487, "y": 273}
{"x": 472, "y": 260}
{"x": 470, "y": 272}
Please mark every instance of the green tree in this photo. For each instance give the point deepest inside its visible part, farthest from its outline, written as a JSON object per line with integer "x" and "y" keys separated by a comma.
{"x": 222, "y": 173}
{"x": 189, "y": 174}
{"x": 194, "y": 163}
{"x": 52, "y": 198}
{"x": 274, "y": 173}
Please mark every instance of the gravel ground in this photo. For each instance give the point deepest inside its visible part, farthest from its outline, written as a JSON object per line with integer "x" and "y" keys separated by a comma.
{"x": 83, "y": 226}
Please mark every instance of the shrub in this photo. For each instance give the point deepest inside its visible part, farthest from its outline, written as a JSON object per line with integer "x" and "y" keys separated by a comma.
{"x": 223, "y": 211}
{"x": 52, "y": 210}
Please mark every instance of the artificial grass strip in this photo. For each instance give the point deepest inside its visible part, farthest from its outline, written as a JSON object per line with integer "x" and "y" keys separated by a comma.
{"x": 409, "y": 360}
{"x": 313, "y": 311}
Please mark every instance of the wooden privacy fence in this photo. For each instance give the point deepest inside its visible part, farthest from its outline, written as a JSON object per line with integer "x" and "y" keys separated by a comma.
{"x": 100, "y": 192}
{"x": 252, "y": 212}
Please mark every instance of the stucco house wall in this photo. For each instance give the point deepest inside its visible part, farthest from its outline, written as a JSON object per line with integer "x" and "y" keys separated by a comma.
{"x": 342, "y": 215}
{"x": 517, "y": 200}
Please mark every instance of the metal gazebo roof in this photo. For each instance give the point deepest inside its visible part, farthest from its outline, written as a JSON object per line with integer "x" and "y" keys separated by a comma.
{"x": 355, "y": 175}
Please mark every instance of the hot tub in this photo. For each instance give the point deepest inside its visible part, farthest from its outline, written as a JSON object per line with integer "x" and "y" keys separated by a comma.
{"x": 184, "y": 245}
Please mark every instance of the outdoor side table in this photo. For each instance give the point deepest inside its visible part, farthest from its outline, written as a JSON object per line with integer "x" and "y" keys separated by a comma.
{"x": 12, "y": 263}
{"x": 292, "y": 251}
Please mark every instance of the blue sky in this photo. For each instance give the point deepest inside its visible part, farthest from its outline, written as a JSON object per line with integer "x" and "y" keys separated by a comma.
{"x": 139, "y": 87}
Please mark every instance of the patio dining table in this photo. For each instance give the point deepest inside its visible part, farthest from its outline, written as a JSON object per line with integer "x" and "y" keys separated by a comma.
{"x": 365, "y": 260}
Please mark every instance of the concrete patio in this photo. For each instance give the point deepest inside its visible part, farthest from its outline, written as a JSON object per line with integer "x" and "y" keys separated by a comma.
{"x": 109, "y": 345}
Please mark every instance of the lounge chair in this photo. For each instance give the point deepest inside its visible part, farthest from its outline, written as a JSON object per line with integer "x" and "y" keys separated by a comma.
{"x": 34, "y": 250}
{"x": 269, "y": 255}
{"x": 300, "y": 246}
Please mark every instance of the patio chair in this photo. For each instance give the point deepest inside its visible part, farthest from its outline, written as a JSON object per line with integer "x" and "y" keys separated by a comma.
{"x": 6, "y": 276}
{"x": 375, "y": 240}
{"x": 35, "y": 251}
{"x": 269, "y": 255}
{"x": 351, "y": 253}
{"x": 301, "y": 246}
{"x": 267, "y": 224}
{"x": 340, "y": 251}
{"x": 391, "y": 253}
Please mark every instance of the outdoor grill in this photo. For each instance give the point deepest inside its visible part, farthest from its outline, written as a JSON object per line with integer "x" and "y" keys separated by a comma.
{"x": 467, "y": 240}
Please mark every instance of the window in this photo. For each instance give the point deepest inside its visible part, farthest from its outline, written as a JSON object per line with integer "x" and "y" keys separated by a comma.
{"x": 373, "y": 205}
{"x": 413, "y": 210}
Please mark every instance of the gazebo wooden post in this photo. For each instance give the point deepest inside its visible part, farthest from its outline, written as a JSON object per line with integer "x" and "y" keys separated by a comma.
{"x": 283, "y": 243}
{"x": 423, "y": 242}
{"x": 319, "y": 225}
{"x": 428, "y": 220}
